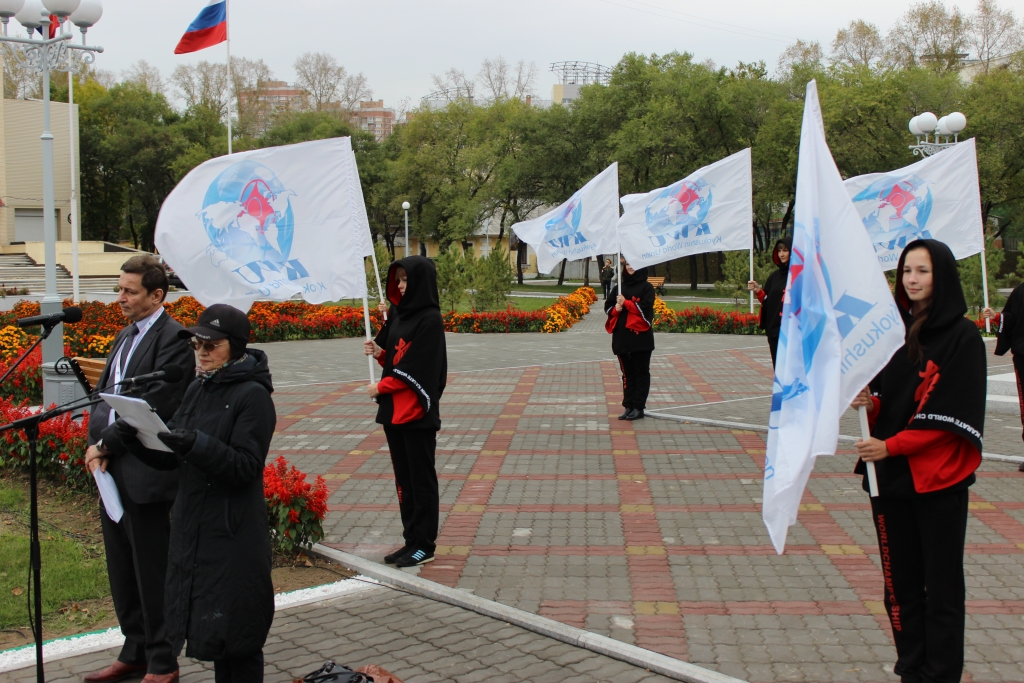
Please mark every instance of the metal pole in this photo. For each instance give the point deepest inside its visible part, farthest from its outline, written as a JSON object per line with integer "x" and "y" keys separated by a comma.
{"x": 34, "y": 552}
{"x": 751, "y": 274}
{"x": 407, "y": 233}
{"x": 366, "y": 322}
{"x": 227, "y": 16}
{"x": 53, "y": 348}
{"x": 984, "y": 283}
{"x": 74, "y": 208}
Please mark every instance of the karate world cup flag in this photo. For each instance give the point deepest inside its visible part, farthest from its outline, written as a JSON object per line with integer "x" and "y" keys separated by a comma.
{"x": 269, "y": 224}
{"x": 580, "y": 228}
{"x": 937, "y": 198}
{"x": 840, "y": 326}
{"x": 709, "y": 210}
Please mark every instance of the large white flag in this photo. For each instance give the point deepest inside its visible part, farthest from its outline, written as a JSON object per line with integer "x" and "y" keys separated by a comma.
{"x": 840, "y": 326}
{"x": 268, "y": 224}
{"x": 582, "y": 227}
{"x": 937, "y": 198}
{"x": 709, "y": 210}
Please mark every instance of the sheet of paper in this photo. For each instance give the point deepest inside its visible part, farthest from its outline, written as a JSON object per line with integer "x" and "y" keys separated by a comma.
{"x": 108, "y": 492}
{"x": 140, "y": 415}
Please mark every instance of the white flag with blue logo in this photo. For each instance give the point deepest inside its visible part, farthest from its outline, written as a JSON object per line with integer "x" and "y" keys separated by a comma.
{"x": 269, "y": 224}
{"x": 709, "y": 210}
{"x": 582, "y": 227}
{"x": 937, "y": 198}
{"x": 839, "y": 328}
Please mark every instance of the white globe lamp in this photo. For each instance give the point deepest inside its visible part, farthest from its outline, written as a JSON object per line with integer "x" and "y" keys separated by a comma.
{"x": 61, "y": 8}
{"x": 956, "y": 122}
{"x": 941, "y": 128}
{"x": 927, "y": 122}
{"x": 8, "y": 8}
{"x": 915, "y": 126}
{"x": 31, "y": 15}
{"x": 88, "y": 14}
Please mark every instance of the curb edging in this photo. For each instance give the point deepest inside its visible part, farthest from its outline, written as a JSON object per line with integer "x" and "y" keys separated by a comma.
{"x": 624, "y": 652}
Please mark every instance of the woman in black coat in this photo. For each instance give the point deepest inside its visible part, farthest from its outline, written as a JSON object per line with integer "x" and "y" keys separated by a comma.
{"x": 630, "y": 318}
{"x": 927, "y": 414}
{"x": 219, "y": 594}
{"x": 772, "y": 294}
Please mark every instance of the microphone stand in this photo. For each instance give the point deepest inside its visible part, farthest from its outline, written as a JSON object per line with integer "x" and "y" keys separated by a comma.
{"x": 30, "y": 425}
{"x": 47, "y": 329}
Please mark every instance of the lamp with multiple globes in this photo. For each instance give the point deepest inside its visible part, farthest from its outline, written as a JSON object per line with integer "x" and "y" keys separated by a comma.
{"x": 927, "y": 124}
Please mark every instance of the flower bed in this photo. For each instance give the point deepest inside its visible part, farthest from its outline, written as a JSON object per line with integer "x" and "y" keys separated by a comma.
{"x": 558, "y": 317}
{"x": 60, "y": 448}
{"x": 296, "y": 508}
{"x": 704, "y": 320}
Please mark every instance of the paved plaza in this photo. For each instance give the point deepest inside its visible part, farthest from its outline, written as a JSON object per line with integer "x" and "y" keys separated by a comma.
{"x": 649, "y": 532}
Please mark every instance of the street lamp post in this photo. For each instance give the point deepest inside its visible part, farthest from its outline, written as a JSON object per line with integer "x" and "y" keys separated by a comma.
{"x": 949, "y": 126}
{"x": 405, "y": 207}
{"x": 46, "y": 55}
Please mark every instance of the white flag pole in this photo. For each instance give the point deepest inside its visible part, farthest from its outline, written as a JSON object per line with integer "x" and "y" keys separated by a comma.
{"x": 227, "y": 18}
{"x": 618, "y": 269}
{"x": 751, "y": 274}
{"x": 366, "y": 323}
{"x": 865, "y": 434}
{"x": 984, "y": 285}
{"x": 376, "y": 273}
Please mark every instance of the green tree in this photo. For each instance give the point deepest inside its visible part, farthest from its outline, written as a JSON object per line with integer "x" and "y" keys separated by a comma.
{"x": 451, "y": 277}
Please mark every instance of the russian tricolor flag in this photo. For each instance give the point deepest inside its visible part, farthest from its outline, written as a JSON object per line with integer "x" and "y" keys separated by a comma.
{"x": 209, "y": 28}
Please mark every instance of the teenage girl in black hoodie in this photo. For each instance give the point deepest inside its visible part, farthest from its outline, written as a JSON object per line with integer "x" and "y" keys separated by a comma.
{"x": 927, "y": 409}
{"x": 629, "y": 322}
{"x": 772, "y": 294}
{"x": 411, "y": 349}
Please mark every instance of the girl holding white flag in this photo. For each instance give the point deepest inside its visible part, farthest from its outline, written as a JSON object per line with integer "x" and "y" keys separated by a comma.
{"x": 772, "y": 294}
{"x": 630, "y": 318}
{"x": 927, "y": 409}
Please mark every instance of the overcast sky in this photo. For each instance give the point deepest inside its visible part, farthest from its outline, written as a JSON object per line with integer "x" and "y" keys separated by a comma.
{"x": 398, "y": 44}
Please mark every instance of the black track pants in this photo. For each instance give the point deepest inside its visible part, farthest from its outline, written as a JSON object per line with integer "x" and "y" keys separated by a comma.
{"x": 636, "y": 378}
{"x": 773, "y": 347}
{"x": 921, "y": 541}
{"x": 412, "y": 457}
{"x": 1018, "y": 370}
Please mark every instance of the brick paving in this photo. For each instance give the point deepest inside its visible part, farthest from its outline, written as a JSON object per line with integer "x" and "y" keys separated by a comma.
{"x": 650, "y": 532}
{"x": 415, "y": 638}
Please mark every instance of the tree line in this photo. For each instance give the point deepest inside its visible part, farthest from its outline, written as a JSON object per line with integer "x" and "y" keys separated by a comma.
{"x": 483, "y": 150}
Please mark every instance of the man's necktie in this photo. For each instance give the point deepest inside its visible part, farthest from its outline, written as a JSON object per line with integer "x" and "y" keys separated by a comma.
{"x": 126, "y": 348}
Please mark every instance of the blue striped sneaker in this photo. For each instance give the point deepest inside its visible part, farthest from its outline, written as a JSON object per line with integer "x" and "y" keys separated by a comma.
{"x": 414, "y": 557}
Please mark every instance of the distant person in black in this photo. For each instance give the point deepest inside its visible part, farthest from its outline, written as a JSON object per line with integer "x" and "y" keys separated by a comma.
{"x": 630, "y": 319}
{"x": 927, "y": 414}
{"x": 411, "y": 349}
{"x": 1011, "y": 338}
{"x": 607, "y": 275}
{"x": 773, "y": 293}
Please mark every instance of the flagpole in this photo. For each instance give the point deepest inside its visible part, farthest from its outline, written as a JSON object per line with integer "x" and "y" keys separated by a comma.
{"x": 376, "y": 273}
{"x": 366, "y": 323}
{"x": 618, "y": 269}
{"x": 984, "y": 283}
{"x": 227, "y": 16}
{"x": 865, "y": 434}
{"x": 751, "y": 274}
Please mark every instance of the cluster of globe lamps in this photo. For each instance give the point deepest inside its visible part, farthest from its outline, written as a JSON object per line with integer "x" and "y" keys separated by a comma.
{"x": 31, "y": 13}
{"x": 928, "y": 124}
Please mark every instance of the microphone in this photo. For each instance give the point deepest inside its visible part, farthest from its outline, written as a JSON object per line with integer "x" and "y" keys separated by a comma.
{"x": 170, "y": 373}
{"x": 71, "y": 314}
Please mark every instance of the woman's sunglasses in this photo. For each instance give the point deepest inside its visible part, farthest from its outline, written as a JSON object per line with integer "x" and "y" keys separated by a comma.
{"x": 207, "y": 346}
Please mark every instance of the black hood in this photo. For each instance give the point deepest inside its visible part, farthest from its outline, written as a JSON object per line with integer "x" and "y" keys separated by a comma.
{"x": 637, "y": 277}
{"x": 788, "y": 243}
{"x": 421, "y": 288}
{"x": 948, "y": 304}
{"x": 253, "y": 368}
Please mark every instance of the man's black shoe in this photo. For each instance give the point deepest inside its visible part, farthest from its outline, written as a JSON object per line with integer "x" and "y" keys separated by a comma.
{"x": 390, "y": 558}
{"x": 625, "y": 414}
{"x": 414, "y": 557}
{"x": 635, "y": 414}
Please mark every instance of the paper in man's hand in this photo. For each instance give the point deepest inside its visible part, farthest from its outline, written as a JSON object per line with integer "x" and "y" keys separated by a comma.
{"x": 139, "y": 414}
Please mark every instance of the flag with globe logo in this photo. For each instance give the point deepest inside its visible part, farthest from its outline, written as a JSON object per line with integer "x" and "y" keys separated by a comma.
{"x": 936, "y": 198}
{"x": 581, "y": 227}
{"x": 269, "y": 224}
{"x": 709, "y": 210}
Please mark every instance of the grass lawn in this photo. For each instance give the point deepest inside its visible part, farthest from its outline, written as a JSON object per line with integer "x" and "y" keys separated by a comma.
{"x": 721, "y": 306}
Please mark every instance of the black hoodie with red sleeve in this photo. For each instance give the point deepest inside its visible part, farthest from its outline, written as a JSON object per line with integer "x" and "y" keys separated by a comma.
{"x": 931, "y": 413}
{"x": 1011, "y": 329}
{"x": 774, "y": 291}
{"x": 632, "y": 328}
{"x": 415, "y": 359}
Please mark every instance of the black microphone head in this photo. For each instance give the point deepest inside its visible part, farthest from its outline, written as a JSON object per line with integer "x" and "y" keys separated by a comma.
{"x": 173, "y": 373}
{"x": 72, "y": 314}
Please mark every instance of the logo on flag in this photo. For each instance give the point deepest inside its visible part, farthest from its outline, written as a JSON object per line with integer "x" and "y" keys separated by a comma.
{"x": 898, "y": 210}
{"x": 565, "y": 224}
{"x": 679, "y": 208}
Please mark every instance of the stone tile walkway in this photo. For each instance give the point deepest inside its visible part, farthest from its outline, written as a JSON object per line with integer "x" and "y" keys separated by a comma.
{"x": 650, "y": 532}
{"x": 415, "y": 638}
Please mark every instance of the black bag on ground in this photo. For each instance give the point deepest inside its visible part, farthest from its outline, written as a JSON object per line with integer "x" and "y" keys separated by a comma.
{"x": 331, "y": 672}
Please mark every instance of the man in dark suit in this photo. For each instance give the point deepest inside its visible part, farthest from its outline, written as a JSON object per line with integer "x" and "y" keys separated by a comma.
{"x": 136, "y": 546}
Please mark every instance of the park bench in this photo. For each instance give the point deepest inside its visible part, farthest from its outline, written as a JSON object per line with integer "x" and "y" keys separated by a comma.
{"x": 658, "y": 283}
{"x": 92, "y": 368}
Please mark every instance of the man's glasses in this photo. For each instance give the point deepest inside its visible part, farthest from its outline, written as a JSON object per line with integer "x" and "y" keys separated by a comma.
{"x": 207, "y": 346}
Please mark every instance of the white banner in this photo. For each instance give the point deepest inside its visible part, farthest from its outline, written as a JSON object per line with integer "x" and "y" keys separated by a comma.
{"x": 937, "y": 198}
{"x": 840, "y": 326}
{"x": 580, "y": 228}
{"x": 709, "y": 210}
{"x": 269, "y": 224}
